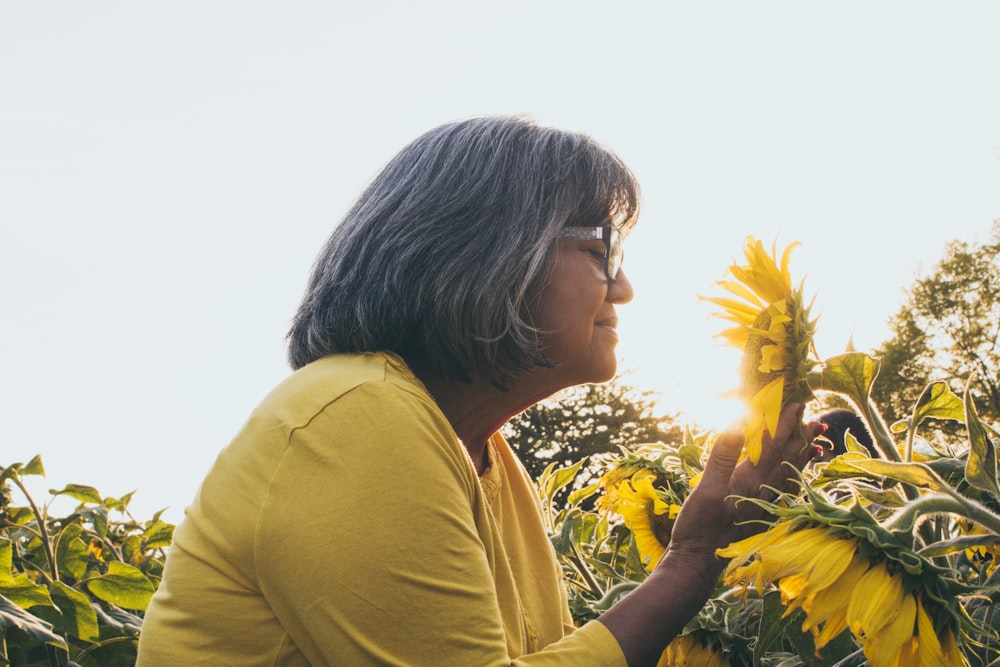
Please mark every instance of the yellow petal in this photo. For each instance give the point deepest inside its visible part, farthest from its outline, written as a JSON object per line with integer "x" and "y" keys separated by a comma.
{"x": 735, "y": 311}
{"x": 747, "y": 547}
{"x": 881, "y": 650}
{"x": 742, "y": 292}
{"x": 791, "y": 587}
{"x": 875, "y": 601}
{"x": 830, "y": 562}
{"x": 929, "y": 643}
{"x": 646, "y": 494}
{"x": 765, "y": 407}
{"x": 950, "y": 651}
{"x": 793, "y": 554}
{"x": 773, "y": 359}
{"x": 736, "y": 336}
{"x": 829, "y": 606}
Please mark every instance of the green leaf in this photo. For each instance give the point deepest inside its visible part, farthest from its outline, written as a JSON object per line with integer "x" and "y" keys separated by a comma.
{"x": 946, "y": 547}
{"x": 19, "y": 516}
{"x": 161, "y": 533}
{"x": 119, "y": 620}
{"x": 34, "y": 467}
{"x": 577, "y": 495}
{"x": 981, "y": 468}
{"x": 123, "y": 585}
{"x": 131, "y": 548}
{"x": 850, "y": 374}
{"x": 25, "y": 593}
{"x": 120, "y": 504}
{"x": 771, "y": 625}
{"x": 6, "y": 562}
{"x": 560, "y": 478}
{"x": 802, "y": 642}
{"x": 76, "y": 616}
{"x": 85, "y": 494}
{"x": 890, "y": 498}
{"x": 853, "y": 445}
{"x": 98, "y": 518}
{"x": 10, "y": 471}
{"x": 563, "y": 542}
{"x": 13, "y": 616}
{"x": 71, "y": 554}
{"x": 857, "y": 465}
{"x": 691, "y": 455}
{"x": 937, "y": 401}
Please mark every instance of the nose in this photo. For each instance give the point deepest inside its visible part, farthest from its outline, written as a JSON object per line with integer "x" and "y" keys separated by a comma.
{"x": 620, "y": 289}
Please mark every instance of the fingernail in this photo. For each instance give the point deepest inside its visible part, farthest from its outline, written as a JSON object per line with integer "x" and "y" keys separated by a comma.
{"x": 823, "y": 428}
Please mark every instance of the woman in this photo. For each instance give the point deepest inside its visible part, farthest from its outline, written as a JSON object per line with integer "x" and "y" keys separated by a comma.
{"x": 369, "y": 513}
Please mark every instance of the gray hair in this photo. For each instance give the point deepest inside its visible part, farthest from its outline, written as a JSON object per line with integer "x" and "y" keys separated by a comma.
{"x": 440, "y": 257}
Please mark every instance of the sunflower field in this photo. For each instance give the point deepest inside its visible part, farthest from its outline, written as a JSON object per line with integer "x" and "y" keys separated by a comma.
{"x": 886, "y": 554}
{"x": 73, "y": 585}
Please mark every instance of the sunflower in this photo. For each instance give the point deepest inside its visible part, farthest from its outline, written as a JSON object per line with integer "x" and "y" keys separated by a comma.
{"x": 646, "y": 514}
{"x": 646, "y": 489}
{"x": 841, "y": 582}
{"x": 775, "y": 333}
{"x": 689, "y": 650}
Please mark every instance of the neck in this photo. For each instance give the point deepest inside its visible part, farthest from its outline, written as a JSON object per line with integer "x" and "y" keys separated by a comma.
{"x": 477, "y": 409}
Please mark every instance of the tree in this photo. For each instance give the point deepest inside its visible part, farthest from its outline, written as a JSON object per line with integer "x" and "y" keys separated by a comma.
{"x": 585, "y": 421}
{"x": 947, "y": 329}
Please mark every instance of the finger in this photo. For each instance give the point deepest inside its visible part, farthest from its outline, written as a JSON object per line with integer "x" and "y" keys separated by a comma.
{"x": 787, "y": 443}
{"x": 812, "y": 430}
{"x": 725, "y": 452}
{"x": 797, "y": 447}
{"x": 789, "y": 423}
{"x": 722, "y": 460}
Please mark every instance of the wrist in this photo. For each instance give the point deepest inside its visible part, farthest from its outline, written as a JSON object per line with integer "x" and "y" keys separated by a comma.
{"x": 698, "y": 569}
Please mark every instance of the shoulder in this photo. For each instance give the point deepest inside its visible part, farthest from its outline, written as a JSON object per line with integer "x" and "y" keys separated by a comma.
{"x": 314, "y": 388}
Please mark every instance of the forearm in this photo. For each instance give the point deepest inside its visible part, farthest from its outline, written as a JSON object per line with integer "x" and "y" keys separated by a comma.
{"x": 647, "y": 619}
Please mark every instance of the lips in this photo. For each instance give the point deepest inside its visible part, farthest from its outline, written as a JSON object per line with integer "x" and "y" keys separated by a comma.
{"x": 609, "y": 322}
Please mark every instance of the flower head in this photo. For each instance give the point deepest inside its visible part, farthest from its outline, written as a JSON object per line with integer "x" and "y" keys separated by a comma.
{"x": 852, "y": 578}
{"x": 691, "y": 651}
{"x": 774, "y": 330}
{"x": 647, "y": 492}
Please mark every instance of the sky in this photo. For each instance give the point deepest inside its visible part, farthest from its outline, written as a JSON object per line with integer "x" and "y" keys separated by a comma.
{"x": 168, "y": 172}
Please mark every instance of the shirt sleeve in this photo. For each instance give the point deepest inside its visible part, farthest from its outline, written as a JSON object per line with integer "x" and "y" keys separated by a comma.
{"x": 368, "y": 551}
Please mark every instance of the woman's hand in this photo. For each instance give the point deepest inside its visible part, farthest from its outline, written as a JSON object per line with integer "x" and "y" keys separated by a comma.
{"x": 714, "y": 516}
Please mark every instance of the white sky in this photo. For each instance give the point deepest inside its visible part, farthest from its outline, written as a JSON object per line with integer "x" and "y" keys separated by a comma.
{"x": 168, "y": 172}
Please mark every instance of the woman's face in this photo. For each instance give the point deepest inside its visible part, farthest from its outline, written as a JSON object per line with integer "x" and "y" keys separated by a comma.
{"x": 576, "y": 314}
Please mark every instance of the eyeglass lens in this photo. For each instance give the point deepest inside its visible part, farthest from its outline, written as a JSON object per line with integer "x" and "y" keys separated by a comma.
{"x": 614, "y": 252}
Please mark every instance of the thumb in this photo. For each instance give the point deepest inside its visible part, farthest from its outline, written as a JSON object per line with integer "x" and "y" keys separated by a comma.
{"x": 725, "y": 454}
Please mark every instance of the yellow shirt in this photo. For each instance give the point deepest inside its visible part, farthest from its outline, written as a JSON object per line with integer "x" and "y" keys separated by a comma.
{"x": 346, "y": 525}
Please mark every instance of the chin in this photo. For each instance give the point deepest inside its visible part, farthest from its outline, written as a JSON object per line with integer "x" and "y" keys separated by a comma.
{"x": 605, "y": 374}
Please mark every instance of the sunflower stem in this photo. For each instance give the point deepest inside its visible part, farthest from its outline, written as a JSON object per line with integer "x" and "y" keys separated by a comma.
{"x": 905, "y": 519}
{"x": 577, "y": 559}
{"x": 947, "y": 502}
{"x": 883, "y": 439}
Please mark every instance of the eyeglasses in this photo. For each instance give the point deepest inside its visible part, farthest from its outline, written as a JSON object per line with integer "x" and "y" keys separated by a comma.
{"x": 612, "y": 237}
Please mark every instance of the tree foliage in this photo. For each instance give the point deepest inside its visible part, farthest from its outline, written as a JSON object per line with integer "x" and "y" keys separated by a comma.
{"x": 948, "y": 328}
